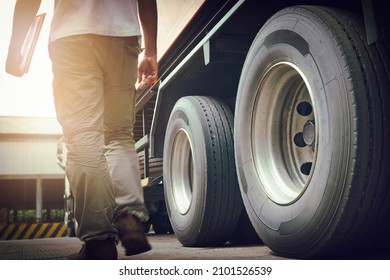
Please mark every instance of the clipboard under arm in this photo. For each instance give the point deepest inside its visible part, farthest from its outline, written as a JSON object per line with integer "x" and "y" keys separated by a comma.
{"x": 25, "y": 31}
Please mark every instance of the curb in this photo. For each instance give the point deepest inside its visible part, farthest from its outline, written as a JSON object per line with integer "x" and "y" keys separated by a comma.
{"x": 32, "y": 231}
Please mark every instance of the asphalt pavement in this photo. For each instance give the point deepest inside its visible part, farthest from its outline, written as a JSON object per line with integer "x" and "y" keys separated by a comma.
{"x": 164, "y": 247}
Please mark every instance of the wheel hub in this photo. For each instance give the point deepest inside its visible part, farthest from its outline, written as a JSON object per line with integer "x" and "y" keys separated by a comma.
{"x": 309, "y": 133}
{"x": 284, "y": 133}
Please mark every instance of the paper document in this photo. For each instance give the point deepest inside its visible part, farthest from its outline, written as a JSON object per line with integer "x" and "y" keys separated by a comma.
{"x": 30, "y": 42}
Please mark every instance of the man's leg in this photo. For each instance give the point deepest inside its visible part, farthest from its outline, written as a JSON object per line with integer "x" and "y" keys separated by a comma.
{"x": 78, "y": 95}
{"x": 120, "y": 66}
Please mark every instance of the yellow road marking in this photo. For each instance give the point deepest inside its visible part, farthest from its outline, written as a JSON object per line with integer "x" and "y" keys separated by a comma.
{"x": 52, "y": 229}
{"x": 62, "y": 231}
{"x": 7, "y": 232}
{"x": 19, "y": 231}
{"x": 30, "y": 231}
{"x": 40, "y": 231}
{"x": 27, "y": 230}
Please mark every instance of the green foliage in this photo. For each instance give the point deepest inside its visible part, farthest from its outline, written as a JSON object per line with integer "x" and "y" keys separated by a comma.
{"x": 29, "y": 216}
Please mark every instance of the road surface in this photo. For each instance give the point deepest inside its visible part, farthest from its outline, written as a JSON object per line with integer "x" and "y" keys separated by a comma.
{"x": 165, "y": 247}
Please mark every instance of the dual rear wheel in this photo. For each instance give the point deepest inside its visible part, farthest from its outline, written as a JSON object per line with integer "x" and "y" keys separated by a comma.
{"x": 200, "y": 182}
{"x": 309, "y": 143}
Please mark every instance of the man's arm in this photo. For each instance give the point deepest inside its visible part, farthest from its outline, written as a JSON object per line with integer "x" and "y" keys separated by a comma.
{"x": 24, "y": 14}
{"x": 148, "y": 67}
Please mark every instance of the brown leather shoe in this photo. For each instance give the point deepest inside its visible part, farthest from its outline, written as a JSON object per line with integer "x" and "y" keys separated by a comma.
{"x": 97, "y": 250}
{"x": 132, "y": 235}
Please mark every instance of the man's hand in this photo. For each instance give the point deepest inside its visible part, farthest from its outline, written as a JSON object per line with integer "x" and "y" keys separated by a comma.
{"x": 148, "y": 72}
{"x": 148, "y": 67}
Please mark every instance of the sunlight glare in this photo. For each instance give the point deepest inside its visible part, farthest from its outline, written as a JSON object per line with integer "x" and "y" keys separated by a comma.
{"x": 30, "y": 95}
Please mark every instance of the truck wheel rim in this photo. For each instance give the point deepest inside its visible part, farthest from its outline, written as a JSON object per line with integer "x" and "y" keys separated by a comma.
{"x": 284, "y": 133}
{"x": 182, "y": 171}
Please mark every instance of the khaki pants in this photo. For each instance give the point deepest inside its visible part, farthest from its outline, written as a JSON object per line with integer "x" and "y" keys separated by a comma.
{"x": 93, "y": 87}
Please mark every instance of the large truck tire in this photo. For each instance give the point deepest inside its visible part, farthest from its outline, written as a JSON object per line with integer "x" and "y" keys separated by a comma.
{"x": 160, "y": 220}
{"x": 311, "y": 134}
{"x": 200, "y": 182}
{"x": 245, "y": 234}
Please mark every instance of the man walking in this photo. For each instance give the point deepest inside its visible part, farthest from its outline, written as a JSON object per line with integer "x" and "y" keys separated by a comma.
{"x": 94, "y": 47}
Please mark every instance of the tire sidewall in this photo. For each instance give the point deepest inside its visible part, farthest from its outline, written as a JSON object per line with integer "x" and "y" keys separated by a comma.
{"x": 308, "y": 215}
{"x": 185, "y": 118}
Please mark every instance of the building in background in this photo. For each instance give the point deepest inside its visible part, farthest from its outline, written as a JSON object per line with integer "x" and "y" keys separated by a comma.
{"x": 30, "y": 178}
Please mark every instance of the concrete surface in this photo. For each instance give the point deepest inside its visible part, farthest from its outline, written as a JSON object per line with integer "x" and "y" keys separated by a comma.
{"x": 165, "y": 247}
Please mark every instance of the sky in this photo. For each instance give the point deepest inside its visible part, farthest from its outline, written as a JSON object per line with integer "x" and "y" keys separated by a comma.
{"x": 30, "y": 95}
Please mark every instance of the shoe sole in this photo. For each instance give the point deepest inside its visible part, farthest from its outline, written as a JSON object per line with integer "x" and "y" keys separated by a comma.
{"x": 135, "y": 246}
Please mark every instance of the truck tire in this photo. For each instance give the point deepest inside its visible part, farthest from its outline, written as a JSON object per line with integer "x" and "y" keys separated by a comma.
{"x": 200, "y": 183}
{"x": 245, "y": 234}
{"x": 312, "y": 132}
{"x": 160, "y": 220}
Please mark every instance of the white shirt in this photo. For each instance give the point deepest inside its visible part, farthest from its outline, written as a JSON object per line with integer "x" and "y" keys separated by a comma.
{"x": 103, "y": 17}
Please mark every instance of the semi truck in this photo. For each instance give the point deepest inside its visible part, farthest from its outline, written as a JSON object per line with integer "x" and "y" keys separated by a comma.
{"x": 270, "y": 117}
